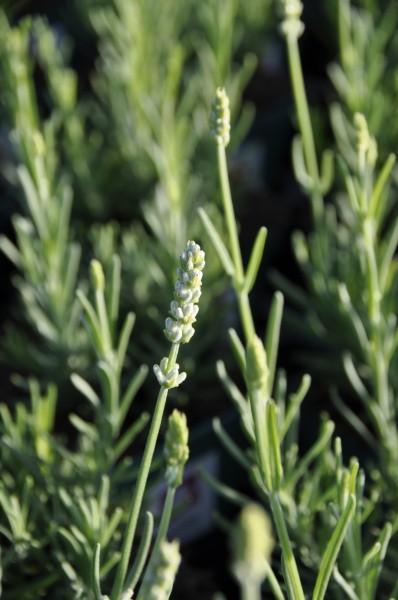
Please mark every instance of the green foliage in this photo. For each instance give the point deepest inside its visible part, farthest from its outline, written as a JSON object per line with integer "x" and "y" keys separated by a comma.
{"x": 110, "y": 176}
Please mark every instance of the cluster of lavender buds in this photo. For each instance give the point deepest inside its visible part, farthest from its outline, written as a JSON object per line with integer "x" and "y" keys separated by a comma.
{"x": 183, "y": 310}
{"x": 187, "y": 292}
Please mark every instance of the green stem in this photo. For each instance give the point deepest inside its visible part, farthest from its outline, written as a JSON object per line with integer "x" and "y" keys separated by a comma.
{"x": 139, "y": 490}
{"x": 229, "y": 214}
{"x": 292, "y": 573}
{"x": 165, "y": 519}
{"x": 243, "y": 298}
{"x": 162, "y": 531}
{"x": 259, "y": 412}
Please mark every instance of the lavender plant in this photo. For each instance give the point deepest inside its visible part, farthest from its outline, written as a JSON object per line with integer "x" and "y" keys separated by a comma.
{"x": 178, "y": 330}
{"x": 273, "y": 463}
{"x": 349, "y": 265}
{"x": 71, "y": 494}
{"x": 157, "y": 88}
{"x": 45, "y": 253}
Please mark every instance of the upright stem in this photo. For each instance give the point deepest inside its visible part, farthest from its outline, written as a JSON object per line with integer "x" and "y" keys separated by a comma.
{"x": 250, "y": 590}
{"x": 165, "y": 519}
{"x": 243, "y": 298}
{"x": 162, "y": 531}
{"x": 259, "y": 412}
{"x": 287, "y": 552}
{"x": 139, "y": 490}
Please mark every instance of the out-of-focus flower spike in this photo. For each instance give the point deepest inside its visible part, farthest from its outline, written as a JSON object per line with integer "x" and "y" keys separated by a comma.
{"x": 220, "y": 118}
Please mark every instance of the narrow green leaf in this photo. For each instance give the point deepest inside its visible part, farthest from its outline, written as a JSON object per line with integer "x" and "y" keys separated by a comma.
{"x": 238, "y": 349}
{"x": 134, "y": 385}
{"x": 95, "y": 573}
{"x": 355, "y": 379}
{"x": 218, "y": 244}
{"x": 272, "y": 336}
{"x": 382, "y": 179}
{"x": 131, "y": 433}
{"x": 115, "y": 291}
{"x": 388, "y": 255}
{"x": 274, "y": 584}
{"x": 237, "y": 398}
{"x": 332, "y": 549}
{"x": 83, "y": 427}
{"x": 376, "y": 559}
{"x": 298, "y": 160}
{"x": 312, "y": 453}
{"x": 33, "y": 202}
{"x": 92, "y": 319}
{"x": 141, "y": 555}
{"x": 223, "y": 490}
{"x": 295, "y": 401}
{"x": 85, "y": 388}
{"x": 345, "y": 586}
{"x": 229, "y": 444}
{"x": 124, "y": 340}
{"x": 276, "y": 465}
{"x": 255, "y": 260}
{"x": 108, "y": 532}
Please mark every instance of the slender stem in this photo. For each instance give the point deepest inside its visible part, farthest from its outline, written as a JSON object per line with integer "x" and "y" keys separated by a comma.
{"x": 246, "y": 315}
{"x": 243, "y": 298}
{"x": 259, "y": 408}
{"x": 229, "y": 214}
{"x": 250, "y": 590}
{"x": 287, "y": 552}
{"x": 139, "y": 490}
{"x": 165, "y": 519}
{"x": 162, "y": 531}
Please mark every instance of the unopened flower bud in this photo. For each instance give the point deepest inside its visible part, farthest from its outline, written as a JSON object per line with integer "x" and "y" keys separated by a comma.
{"x": 97, "y": 274}
{"x": 256, "y": 366}
{"x": 252, "y": 544}
{"x": 220, "y": 118}
{"x": 176, "y": 451}
{"x": 159, "y": 578}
